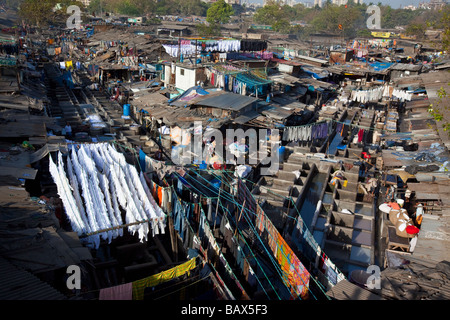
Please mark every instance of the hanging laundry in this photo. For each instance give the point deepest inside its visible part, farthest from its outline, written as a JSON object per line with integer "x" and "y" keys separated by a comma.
{"x": 154, "y": 280}
{"x": 364, "y": 96}
{"x": 120, "y": 292}
{"x": 360, "y": 135}
{"x": 253, "y": 45}
{"x": 69, "y": 65}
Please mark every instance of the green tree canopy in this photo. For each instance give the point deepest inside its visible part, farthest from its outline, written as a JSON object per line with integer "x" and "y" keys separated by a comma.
{"x": 219, "y": 12}
{"x": 40, "y": 12}
{"x": 276, "y": 15}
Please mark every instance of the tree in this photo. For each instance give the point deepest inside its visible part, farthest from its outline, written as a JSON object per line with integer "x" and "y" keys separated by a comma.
{"x": 275, "y": 15}
{"x": 416, "y": 29}
{"x": 127, "y": 7}
{"x": 282, "y": 26}
{"x": 219, "y": 13}
{"x": 95, "y": 6}
{"x": 207, "y": 31}
{"x": 193, "y": 7}
{"x": 269, "y": 14}
{"x": 445, "y": 22}
{"x": 40, "y": 12}
{"x": 36, "y": 11}
{"x": 440, "y": 111}
{"x": 331, "y": 16}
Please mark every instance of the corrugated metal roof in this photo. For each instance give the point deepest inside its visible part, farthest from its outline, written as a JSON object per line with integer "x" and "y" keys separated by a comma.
{"x": 16, "y": 284}
{"x": 228, "y": 101}
{"x": 406, "y": 66}
{"x": 345, "y": 290}
{"x": 288, "y": 62}
{"x": 416, "y": 279}
{"x": 246, "y": 117}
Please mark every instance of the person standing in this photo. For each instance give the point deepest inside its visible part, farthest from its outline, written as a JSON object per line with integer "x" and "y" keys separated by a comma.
{"x": 68, "y": 130}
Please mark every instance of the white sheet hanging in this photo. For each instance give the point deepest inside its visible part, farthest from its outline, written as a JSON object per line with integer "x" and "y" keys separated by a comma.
{"x": 99, "y": 182}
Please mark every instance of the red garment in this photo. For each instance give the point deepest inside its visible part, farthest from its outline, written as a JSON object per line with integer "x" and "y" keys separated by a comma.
{"x": 217, "y": 166}
{"x": 412, "y": 230}
{"x": 160, "y": 190}
{"x": 360, "y": 135}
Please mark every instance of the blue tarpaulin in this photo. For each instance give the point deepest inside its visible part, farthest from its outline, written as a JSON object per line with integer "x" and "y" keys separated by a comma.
{"x": 380, "y": 66}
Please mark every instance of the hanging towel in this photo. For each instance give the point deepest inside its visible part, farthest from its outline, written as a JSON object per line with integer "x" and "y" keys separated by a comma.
{"x": 121, "y": 292}
{"x": 69, "y": 65}
{"x": 154, "y": 280}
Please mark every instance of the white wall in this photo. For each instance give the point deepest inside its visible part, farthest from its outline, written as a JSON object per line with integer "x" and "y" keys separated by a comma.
{"x": 185, "y": 81}
{"x": 166, "y": 75}
{"x": 285, "y": 68}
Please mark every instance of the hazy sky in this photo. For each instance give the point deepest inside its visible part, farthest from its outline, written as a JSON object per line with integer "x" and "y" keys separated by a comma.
{"x": 392, "y": 3}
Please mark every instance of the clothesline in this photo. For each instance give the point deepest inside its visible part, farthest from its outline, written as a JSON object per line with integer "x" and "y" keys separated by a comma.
{"x": 206, "y": 223}
{"x": 230, "y": 198}
{"x": 84, "y": 235}
{"x": 355, "y": 125}
{"x": 307, "y": 235}
{"x": 194, "y": 187}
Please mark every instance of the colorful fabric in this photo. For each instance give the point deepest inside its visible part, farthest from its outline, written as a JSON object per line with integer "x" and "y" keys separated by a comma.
{"x": 120, "y": 292}
{"x": 69, "y": 65}
{"x": 154, "y": 280}
{"x": 259, "y": 220}
{"x": 412, "y": 230}
{"x": 295, "y": 274}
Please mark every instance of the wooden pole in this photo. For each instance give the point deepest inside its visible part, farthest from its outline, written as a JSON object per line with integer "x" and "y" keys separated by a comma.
{"x": 217, "y": 209}
{"x": 237, "y": 220}
{"x": 195, "y": 58}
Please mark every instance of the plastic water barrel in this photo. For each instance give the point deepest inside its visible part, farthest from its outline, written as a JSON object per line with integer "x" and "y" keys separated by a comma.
{"x": 126, "y": 110}
{"x": 281, "y": 151}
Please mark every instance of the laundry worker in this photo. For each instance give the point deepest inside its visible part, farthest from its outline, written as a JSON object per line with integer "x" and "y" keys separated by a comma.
{"x": 68, "y": 130}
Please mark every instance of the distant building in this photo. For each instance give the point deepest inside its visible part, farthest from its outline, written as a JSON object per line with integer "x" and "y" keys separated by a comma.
{"x": 410, "y": 7}
{"x": 433, "y": 4}
{"x": 233, "y": 1}
{"x": 85, "y": 2}
{"x": 281, "y": 2}
{"x": 344, "y": 2}
{"x": 320, "y": 3}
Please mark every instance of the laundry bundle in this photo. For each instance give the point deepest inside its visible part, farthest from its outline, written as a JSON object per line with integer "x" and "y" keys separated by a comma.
{"x": 402, "y": 95}
{"x": 297, "y": 133}
{"x": 364, "y": 96}
{"x": 97, "y": 184}
{"x": 306, "y": 132}
{"x": 190, "y": 47}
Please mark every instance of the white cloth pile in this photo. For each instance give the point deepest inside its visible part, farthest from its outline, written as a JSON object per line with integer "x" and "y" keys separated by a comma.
{"x": 300, "y": 133}
{"x": 364, "y": 96}
{"x": 99, "y": 183}
{"x": 402, "y": 95}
